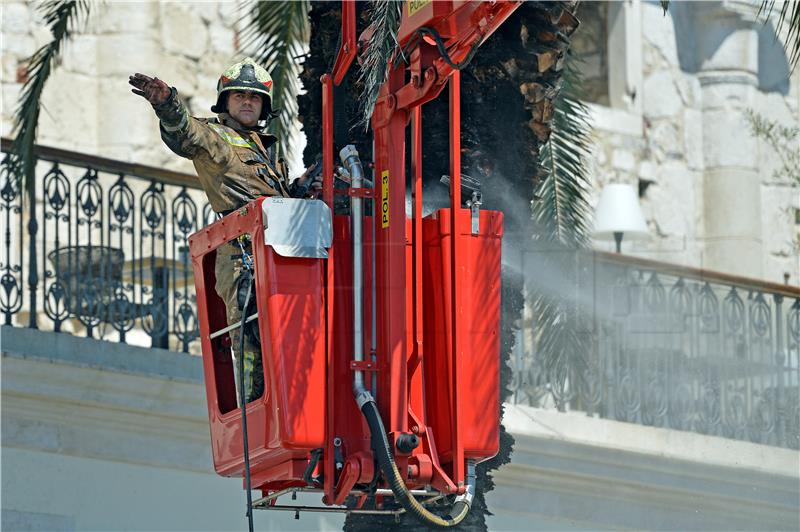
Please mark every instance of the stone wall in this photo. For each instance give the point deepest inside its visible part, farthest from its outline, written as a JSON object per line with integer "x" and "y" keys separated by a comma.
{"x": 104, "y": 436}
{"x": 87, "y": 105}
{"x": 589, "y": 44}
{"x": 669, "y": 124}
{"x": 706, "y": 183}
{"x": 570, "y": 471}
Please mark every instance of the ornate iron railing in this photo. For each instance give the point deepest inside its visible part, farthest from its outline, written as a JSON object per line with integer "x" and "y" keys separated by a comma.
{"x": 100, "y": 248}
{"x": 672, "y": 347}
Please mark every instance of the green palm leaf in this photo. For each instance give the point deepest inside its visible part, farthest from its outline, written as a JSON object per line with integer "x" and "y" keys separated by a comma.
{"x": 562, "y": 216}
{"x": 279, "y": 32}
{"x": 562, "y": 213}
{"x": 790, "y": 15}
{"x": 60, "y": 16}
{"x": 384, "y": 16}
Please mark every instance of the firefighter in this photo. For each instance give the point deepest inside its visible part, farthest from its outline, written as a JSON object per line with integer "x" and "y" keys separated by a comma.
{"x": 235, "y": 165}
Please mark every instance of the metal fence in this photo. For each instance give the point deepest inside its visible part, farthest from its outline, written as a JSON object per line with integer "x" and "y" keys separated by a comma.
{"x": 100, "y": 248}
{"x": 672, "y": 347}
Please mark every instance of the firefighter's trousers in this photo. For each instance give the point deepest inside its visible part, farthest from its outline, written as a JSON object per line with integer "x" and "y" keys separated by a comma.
{"x": 227, "y": 269}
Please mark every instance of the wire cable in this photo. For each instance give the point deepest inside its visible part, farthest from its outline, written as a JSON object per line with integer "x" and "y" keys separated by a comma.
{"x": 441, "y": 47}
{"x": 243, "y": 401}
{"x": 443, "y": 51}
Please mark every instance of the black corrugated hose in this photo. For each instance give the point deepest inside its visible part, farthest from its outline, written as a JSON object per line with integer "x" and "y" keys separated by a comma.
{"x": 387, "y": 464}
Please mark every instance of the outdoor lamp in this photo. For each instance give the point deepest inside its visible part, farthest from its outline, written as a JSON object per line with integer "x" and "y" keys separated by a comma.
{"x": 618, "y": 213}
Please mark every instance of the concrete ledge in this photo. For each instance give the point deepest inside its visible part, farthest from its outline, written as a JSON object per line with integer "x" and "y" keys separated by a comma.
{"x": 576, "y": 427}
{"x": 104, "y": 414}
{"x": 573, "y": 472}
{"x": 64, "y": 348}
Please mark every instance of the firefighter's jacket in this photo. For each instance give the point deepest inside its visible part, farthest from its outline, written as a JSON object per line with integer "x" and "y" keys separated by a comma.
{"x": 233, "y": 162}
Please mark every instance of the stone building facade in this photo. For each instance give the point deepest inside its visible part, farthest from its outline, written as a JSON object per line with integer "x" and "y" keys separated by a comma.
{"x": 670, "y": 96}
{"x": 87, "y": 105}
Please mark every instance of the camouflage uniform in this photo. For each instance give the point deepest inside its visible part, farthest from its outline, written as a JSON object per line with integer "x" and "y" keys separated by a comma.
{"x": 234, "y": 167}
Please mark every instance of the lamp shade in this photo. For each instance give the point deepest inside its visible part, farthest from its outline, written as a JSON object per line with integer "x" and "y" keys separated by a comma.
{"x": 619, "y": 212}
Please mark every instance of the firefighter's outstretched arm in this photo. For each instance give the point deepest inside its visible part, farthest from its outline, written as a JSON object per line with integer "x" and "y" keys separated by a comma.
{"x": 164, "y": 99}
{"x": 182, "y": 133}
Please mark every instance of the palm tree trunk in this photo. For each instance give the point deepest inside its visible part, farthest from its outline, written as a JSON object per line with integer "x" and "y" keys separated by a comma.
{"x": 508, "y": 94}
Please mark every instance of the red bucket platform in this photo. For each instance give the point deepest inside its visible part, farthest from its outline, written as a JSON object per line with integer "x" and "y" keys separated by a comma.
{"x": 451, "y": 399}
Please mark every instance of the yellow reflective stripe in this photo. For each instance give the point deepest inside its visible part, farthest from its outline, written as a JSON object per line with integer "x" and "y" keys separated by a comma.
{"x": 234, "y": 139}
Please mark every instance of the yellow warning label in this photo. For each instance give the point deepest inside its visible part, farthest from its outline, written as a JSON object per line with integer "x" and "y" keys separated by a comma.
{"x": 385, "y": 199}
{"x": 416, "y": 5}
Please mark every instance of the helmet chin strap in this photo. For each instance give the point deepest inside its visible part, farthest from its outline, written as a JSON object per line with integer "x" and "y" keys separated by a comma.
{"x": 260, "y": 126}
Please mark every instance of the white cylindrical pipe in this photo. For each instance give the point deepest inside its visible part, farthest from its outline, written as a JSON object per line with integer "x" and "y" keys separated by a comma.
{"x": 349, "y": 157}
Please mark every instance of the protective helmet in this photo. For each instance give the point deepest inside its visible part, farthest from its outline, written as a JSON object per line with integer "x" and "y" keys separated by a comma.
{"x": 245, "y": 75}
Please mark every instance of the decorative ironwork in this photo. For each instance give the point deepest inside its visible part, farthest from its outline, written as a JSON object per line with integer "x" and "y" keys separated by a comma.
{"x": 685, "y": 350}
{"x": 92, "y": 248}
{"x": 184, "y": 223}
{"x": 153, "y": 244}
{"x": 11, "y": 260}
{"x": 55, "y": 206}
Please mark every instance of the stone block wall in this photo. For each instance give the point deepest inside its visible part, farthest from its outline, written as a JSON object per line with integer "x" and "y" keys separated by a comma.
{"x": 87, "y": 105}
{"x": 676, "y": 131}
{"x": 707, "y": 184}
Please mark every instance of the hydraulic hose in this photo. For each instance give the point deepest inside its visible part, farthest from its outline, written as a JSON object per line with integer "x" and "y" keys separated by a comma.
{"x": 383, "y": 450}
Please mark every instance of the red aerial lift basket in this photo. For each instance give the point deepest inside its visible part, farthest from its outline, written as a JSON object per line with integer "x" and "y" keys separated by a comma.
{"x": 380, "y": 334}
{"x": 289, "y": 419}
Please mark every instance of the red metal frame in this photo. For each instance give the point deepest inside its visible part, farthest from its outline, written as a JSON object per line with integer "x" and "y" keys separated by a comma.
{"x": 461, "y": 25}
{"x": 347, "y": 51}
{"x": 437, "y": 295}
{"x": 416, "y": 405}
{"x": 327, "y": 195}
{"x": 458, "y": 308}
{"x": 287, "y": 422}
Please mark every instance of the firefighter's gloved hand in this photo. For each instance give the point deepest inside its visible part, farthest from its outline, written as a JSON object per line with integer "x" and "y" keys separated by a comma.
{"x": 153, "y": 90}
{"x": 308, "y": 184}
{"x": 316, "y": 185}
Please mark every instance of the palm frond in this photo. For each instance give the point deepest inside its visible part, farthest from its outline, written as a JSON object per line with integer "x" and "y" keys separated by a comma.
{"x": 790, "y": 15}
{"x": 278, "y": 33}
{"x": 562, "y": 213}
{"x": 384, "y": 16}
{"x": 61, "y": 17}
{"x": 563, "y": 222}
